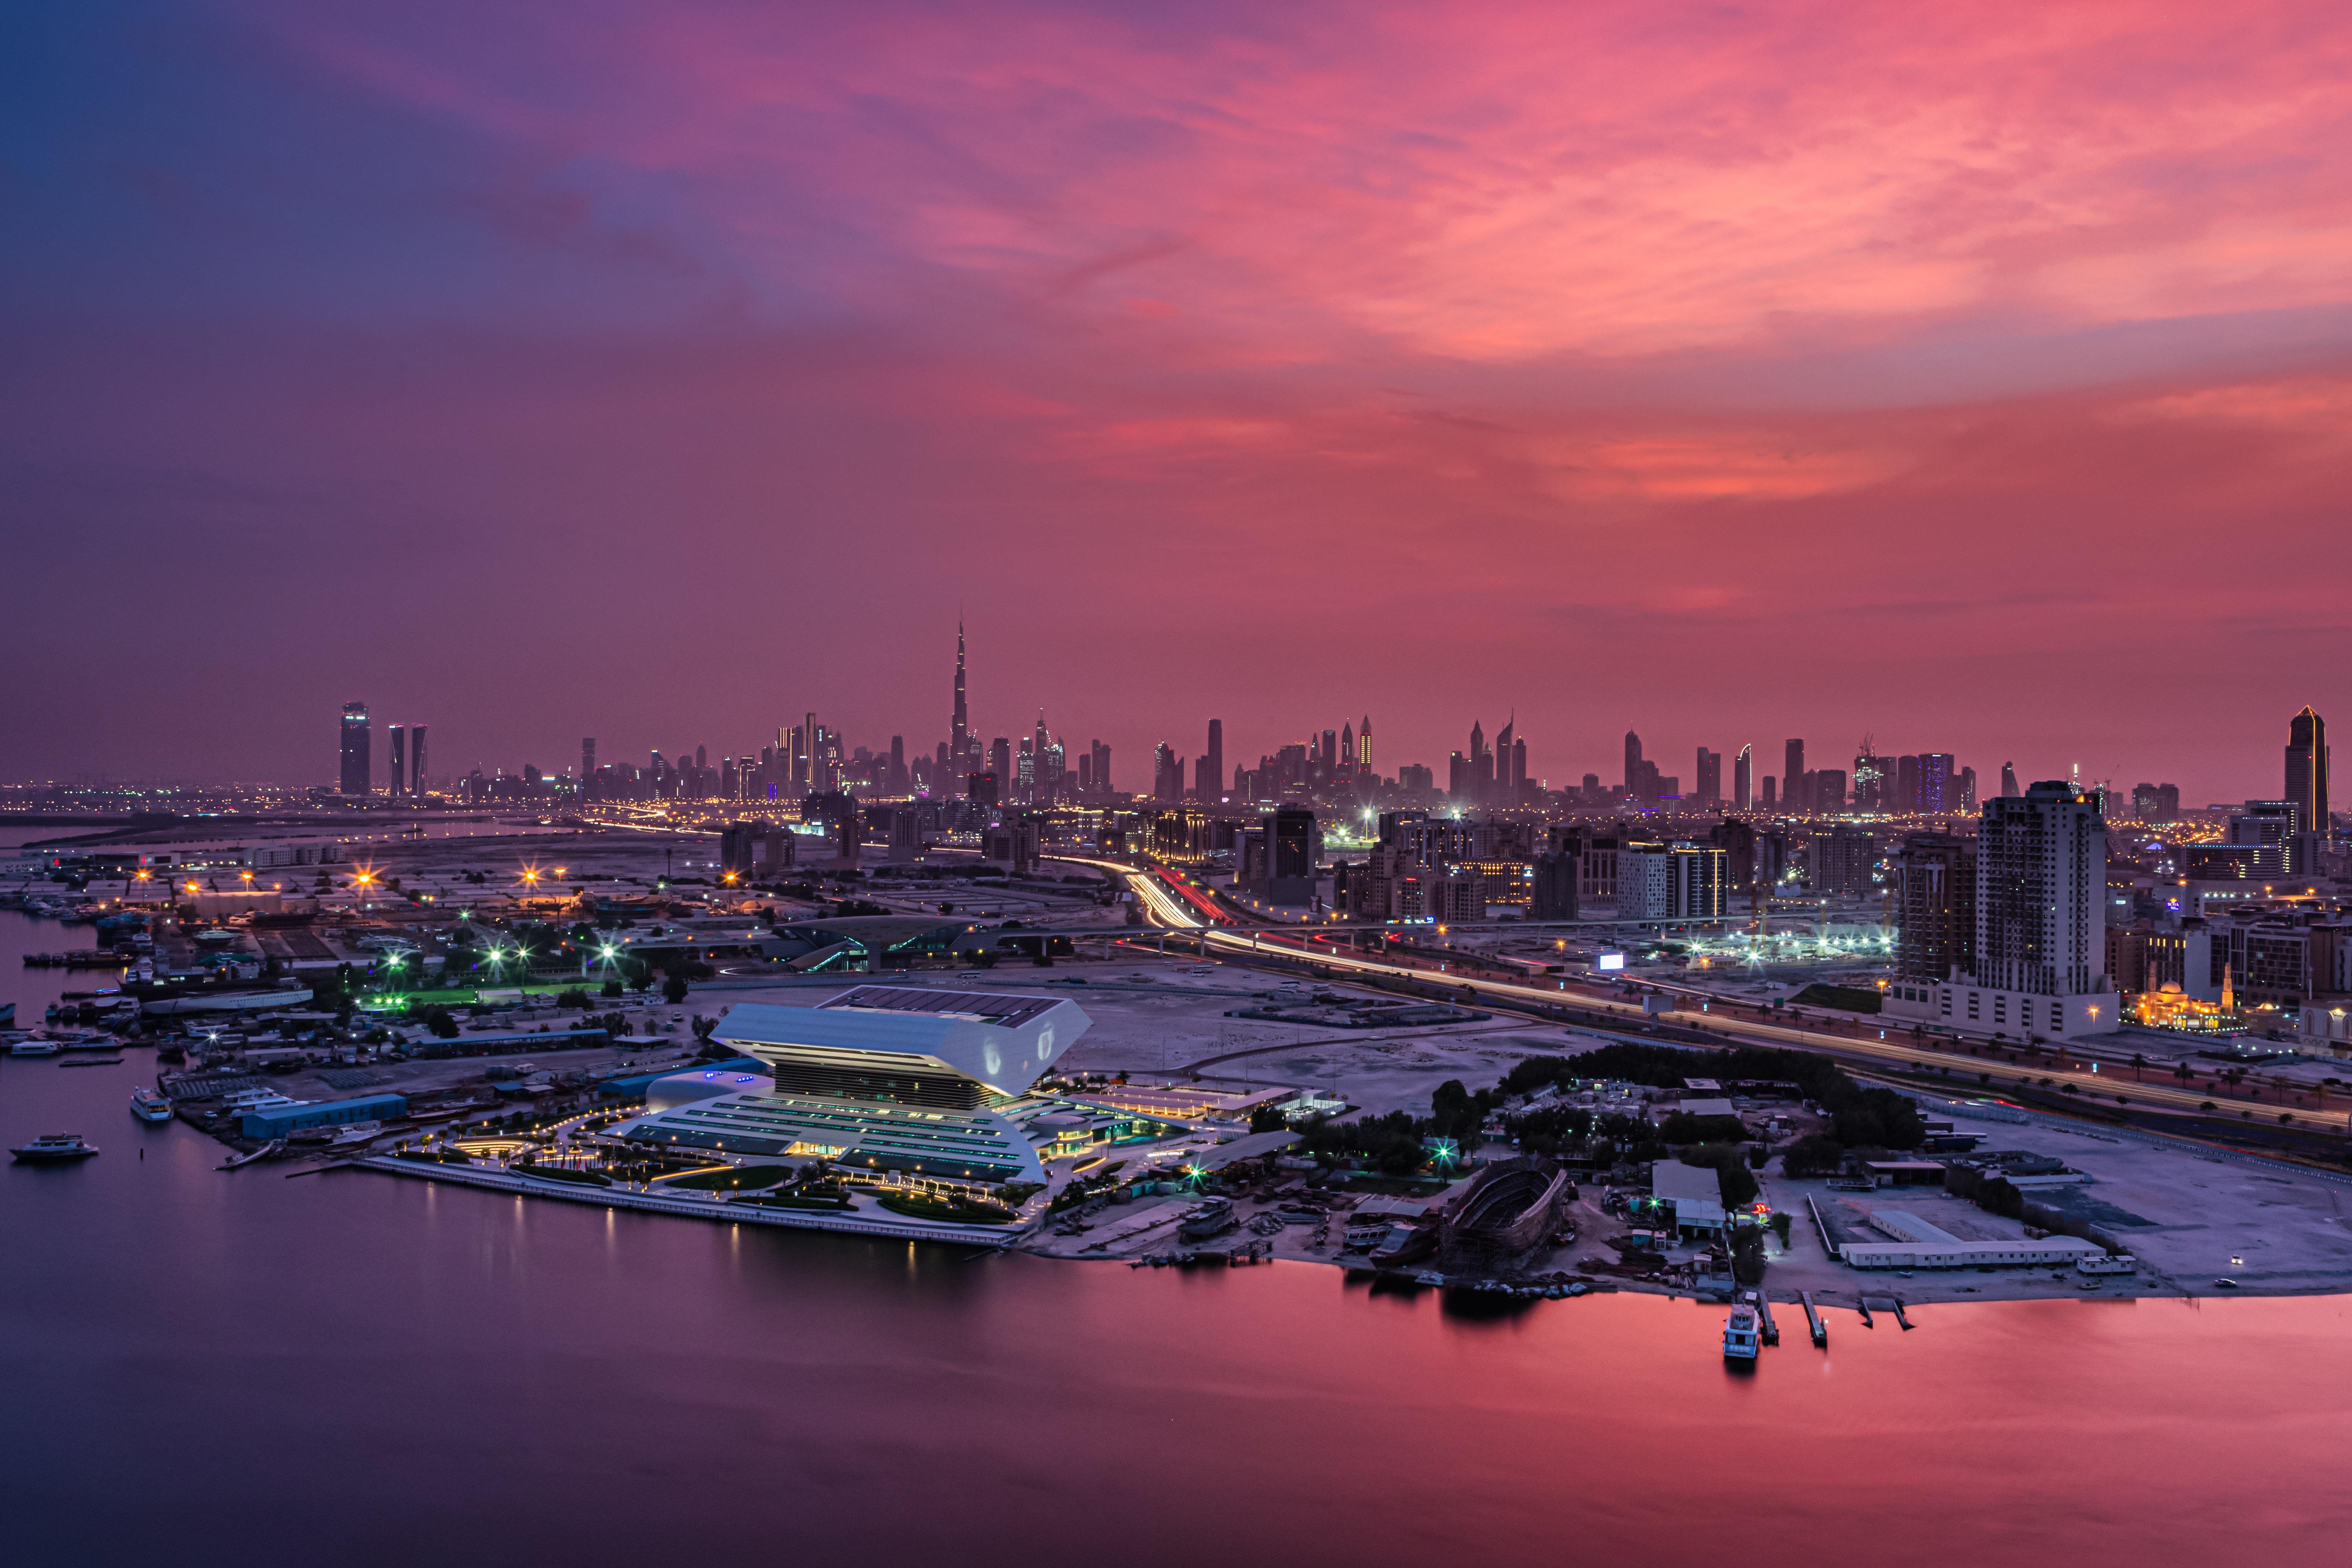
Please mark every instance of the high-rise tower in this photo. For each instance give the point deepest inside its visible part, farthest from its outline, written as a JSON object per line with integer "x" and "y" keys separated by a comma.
{"x": 2040, "y": 893}
{"x": 1364, "y": 750}
{"x": 1743, "y": 779}
{"x": 356, "y": 762}
{"x": 1213, "y": 786}
{"x": 959, "y": 739}
{"x": 2306, "y": 776}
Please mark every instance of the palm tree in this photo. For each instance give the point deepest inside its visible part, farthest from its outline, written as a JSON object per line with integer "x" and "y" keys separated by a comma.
{"x": 2139, "y": 1061}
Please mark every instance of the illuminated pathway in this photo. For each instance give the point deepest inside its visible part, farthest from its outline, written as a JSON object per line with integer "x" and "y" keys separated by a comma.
{"x": 1165, "y": 909}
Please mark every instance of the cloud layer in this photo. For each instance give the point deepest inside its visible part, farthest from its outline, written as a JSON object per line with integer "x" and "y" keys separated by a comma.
{"x": 1978, "y": 379}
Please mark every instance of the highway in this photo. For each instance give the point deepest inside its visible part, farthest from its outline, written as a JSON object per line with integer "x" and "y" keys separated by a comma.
{"x": 1181, "y": 909}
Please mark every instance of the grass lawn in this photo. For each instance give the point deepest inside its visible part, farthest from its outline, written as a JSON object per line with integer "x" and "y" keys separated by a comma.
{"x": 932, "y": 1209}
{"x": 743, "y": 1179}
{"x": 786, "y": 1201}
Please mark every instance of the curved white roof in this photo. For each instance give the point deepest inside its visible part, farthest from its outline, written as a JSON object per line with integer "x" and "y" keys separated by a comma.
{"x": 1006, "y": 1049}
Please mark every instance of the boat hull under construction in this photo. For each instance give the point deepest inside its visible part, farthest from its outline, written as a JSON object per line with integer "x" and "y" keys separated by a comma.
{"x": 226, "y": 1002}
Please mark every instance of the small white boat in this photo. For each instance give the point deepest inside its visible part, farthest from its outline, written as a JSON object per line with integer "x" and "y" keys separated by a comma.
{"x": 1742, "y": 1339}
{"x": 149, "y": 1106}
{"x": 55, "y": 1146}
{"x": 38, "y": 1046}
{"x": 274, "y": 1146}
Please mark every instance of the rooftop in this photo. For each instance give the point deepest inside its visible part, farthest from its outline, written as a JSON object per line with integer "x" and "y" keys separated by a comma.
{"x": 994, "y": 1007}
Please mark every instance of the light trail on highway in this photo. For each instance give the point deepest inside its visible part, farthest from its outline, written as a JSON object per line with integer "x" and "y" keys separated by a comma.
{"x": 1164, "y": 908}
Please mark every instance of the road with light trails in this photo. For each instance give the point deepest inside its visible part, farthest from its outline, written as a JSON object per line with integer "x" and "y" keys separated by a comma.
{"x": 1162, "y": 908}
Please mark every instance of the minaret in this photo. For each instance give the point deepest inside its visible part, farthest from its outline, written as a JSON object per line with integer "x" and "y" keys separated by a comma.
{"x": 961, "y": 738}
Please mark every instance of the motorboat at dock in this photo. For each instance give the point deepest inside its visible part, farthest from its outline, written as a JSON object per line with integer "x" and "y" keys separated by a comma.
{"x": 1743, "y": 1337}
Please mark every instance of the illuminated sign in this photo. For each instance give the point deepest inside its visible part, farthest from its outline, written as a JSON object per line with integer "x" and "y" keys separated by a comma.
{"x": 1610, "y": 961}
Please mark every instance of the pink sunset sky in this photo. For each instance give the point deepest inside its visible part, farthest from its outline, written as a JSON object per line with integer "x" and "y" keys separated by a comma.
{"x": 1980, "y": 377}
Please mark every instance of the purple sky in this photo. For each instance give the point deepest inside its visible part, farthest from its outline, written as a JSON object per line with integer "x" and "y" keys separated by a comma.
{"x": 1979, "y": 380}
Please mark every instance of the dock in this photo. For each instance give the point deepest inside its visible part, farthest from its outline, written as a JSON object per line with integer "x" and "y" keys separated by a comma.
{"x": 1822, "y": 1226}
{"x": 1771, "y": 1331}
{"x": 1821, "y": 1329}
{"x": 1863, "y": 1308}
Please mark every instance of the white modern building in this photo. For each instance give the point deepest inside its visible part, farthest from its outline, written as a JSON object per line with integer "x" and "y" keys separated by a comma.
{"x": 1917, "y": 1243}
{"x": 887, "y": 1077}
{"x": 1680, "y": 881}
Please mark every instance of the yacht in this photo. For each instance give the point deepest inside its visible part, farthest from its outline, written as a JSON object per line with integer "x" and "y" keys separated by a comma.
{"x": 38, "y": 1046}
{"x": 1741, "y": 1337}
{"x": 149, "y": 1106}
{"x": 56, "y": 1146}
{"x": 355, "y": 1134}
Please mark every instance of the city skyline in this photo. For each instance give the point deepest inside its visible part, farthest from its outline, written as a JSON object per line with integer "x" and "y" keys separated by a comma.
{"x": 1045, "y": 769}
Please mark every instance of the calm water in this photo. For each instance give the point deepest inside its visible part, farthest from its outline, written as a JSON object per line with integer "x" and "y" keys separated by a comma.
{"x": 239, "y": 1368}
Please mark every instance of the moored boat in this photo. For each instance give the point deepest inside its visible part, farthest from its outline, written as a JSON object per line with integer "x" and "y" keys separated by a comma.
{"x": 1742, "y": 1338}
{"x": 149, "y": 1106}
{"x": 55, "y": 1146}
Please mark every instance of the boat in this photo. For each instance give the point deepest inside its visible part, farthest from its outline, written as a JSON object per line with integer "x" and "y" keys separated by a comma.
{"x": 228, "y": 1002}
{"x": 1742, "y": 1338}
{"x": 1214, "y": 1217}
{"x": 354, "y": 1133}
{"x": 267, "y": 1149}
{"x": 55, "y": 1146}
{"x": 38, "y": 1046}
{"x": 149, "y": 1106}
{"x": 7, "y": 1014}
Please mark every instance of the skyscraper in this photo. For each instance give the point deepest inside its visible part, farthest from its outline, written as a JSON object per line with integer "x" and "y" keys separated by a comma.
{"x": 960, "y": 740}
{"x": 1213, "y": 785}
{"x": 1792, "y": 777}
{"x": 1935, "y": 906}
{"x": 2041, "y": 941}
{"x": 1519, "y": 771}
{"x": 587, "y": 758}
{"x": 2307, "y": 783}
{"x": 415, "y": 761}
{"x": 1167, "y": 774}
{"x": 1743, "y": 779}
{"x": 1506, "y": 791}
{"x": 1364, "y": 750}
{"x": 357, "y": 764}
{"x": 1938, "y": 786}
{"x": 396, "y": 760}
{"x": 2009, "y": 790}
{"x": 1632, "y": 763}
{"x": 1710, "y": 776}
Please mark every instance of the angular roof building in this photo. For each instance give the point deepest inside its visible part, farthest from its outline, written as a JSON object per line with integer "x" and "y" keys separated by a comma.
{"x": 888, "y": 1078}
